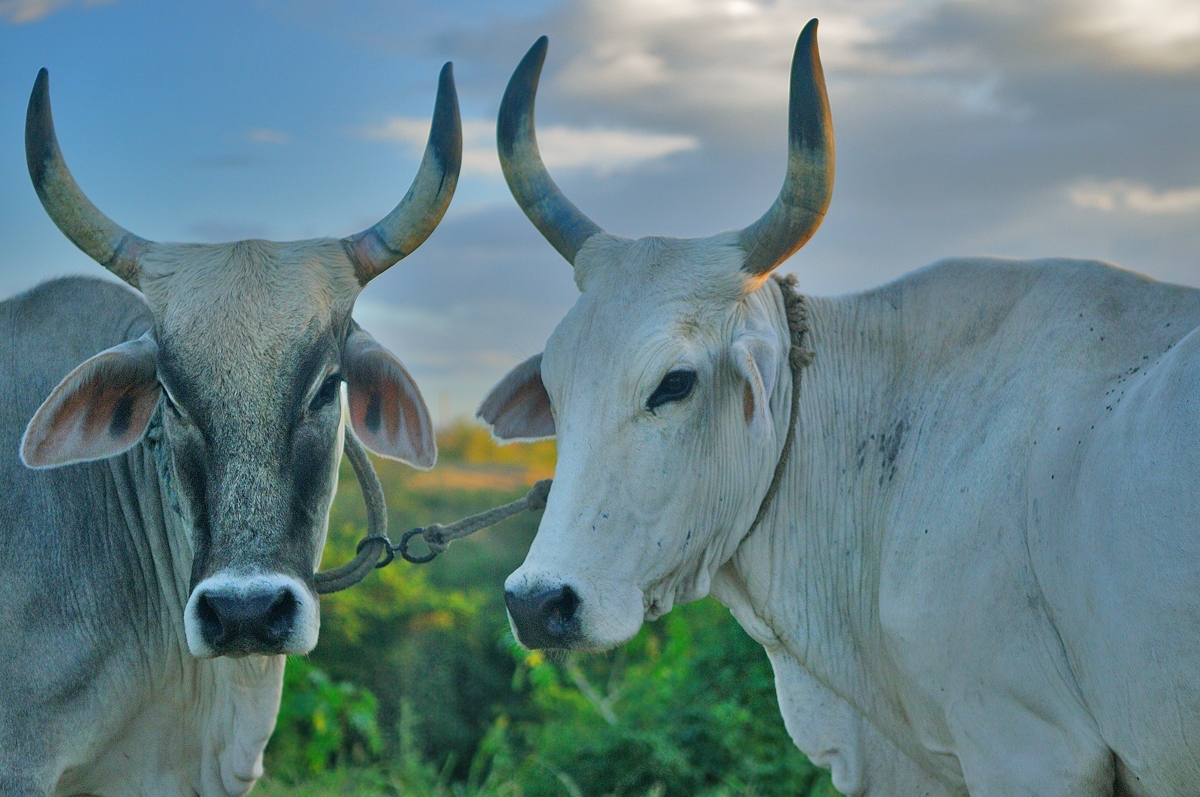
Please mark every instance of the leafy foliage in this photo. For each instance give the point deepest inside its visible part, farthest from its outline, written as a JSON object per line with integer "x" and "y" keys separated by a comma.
{"x": 686, "y": 708}
{"x": 322, "y": 725}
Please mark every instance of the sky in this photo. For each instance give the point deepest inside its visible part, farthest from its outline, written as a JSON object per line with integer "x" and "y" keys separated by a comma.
{"x": 1016, "y": 129}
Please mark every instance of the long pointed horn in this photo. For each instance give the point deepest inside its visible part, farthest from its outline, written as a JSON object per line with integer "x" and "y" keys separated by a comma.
{"x": 808, "y": 186}
{"x": 378, "y": 248}
{"x": 106, "y": 242}
{"x": 552, "y": 213}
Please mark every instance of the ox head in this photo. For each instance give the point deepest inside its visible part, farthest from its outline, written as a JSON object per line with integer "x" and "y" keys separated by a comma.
{"x": 250, "y": 346}
{"x": 666, "y": 385}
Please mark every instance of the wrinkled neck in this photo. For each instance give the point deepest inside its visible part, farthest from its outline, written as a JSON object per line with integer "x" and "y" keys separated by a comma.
{"x": 807, "y": 579}
{"x": 159, "y": 543}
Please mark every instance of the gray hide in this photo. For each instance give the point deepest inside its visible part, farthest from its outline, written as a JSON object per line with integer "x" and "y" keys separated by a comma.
{"x": 92, "y": 579}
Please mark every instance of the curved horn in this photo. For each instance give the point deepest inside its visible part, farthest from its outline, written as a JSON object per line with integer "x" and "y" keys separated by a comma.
{"x": 378, "y": 248}
{"x": 808, "y": 186}
{"x": 552, "y": 213}
{"x": 109, "y": 244}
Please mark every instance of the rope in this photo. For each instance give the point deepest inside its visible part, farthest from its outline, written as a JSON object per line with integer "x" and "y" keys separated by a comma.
{"x": 376, "y": 550}
{"x": 439, "y": 537}
{"x": 376, "y": 544}
{"x": 796, "y": 311}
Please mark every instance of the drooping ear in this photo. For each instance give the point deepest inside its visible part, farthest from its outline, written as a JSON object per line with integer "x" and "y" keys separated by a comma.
{"x": 386, "y": 408}
{"x": 99, "y": 410}
{"x": 755, "y": 356}
{"x": 518, "y": 408}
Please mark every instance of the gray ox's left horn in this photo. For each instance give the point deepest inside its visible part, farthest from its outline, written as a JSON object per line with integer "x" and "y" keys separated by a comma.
{"x": 109, "y": 244}
{"x": 808, "y": 187}
{"x": 552, "y": 213}
{"x": 378, "y": 248}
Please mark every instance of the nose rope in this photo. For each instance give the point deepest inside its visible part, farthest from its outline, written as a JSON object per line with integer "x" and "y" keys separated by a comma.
{"x": 376, "y": 549}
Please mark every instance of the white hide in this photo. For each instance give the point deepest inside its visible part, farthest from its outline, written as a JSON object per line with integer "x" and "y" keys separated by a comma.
{"x": 981, "y": 572}
{"x": 206, "y": 738}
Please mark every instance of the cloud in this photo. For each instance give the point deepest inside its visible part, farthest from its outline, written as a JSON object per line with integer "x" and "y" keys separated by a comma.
{"x": 602, "y": 150}
{"x": 1164, "y": 33}
{"x": 19, "y": 12}
{"x": 1122, "y": 195}
{"x": 263, "y": 135}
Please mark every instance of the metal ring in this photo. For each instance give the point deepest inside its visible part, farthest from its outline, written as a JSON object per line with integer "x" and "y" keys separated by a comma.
{"x": 387, "y": 548}
{"x": 403, "y": 548}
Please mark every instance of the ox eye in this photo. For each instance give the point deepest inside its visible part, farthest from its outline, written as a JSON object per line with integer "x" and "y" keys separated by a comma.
{"x": 327, "y": 394}
{"x": 675, "y": 386}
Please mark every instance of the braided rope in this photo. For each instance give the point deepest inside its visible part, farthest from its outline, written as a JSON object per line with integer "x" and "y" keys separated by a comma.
{"x": 439, "y": 537}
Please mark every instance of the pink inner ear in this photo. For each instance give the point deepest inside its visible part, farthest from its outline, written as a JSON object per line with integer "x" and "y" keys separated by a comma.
{"x": 527, "y": 413}
{"x": 518, "y": 408}
{"x": 99, "y": 410}
{"x": 387, "y": 411}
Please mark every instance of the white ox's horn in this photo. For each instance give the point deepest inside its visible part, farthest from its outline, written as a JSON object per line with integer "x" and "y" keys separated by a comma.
{"x": 378, "y": 248}
{"x": 563, "y": 225}
{"x": 808, "y": 186}
{"x": 784, "y": 228}
{"x": 106, "y": 242}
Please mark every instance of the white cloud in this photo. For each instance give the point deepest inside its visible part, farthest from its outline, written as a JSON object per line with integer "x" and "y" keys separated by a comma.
{"x": 1155, "y": 32}
{"x": 263, "y": 135}
{"x": 1122, "y": 195}
{"x": 603, "y": 150}
{"x": 19, "y": 12}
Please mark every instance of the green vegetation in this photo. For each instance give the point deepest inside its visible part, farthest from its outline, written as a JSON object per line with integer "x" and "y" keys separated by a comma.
{"x": 417, "y": 687}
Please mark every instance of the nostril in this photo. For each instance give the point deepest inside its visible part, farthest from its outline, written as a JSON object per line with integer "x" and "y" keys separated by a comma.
{"x": 210, "y": 620}
{"x": 252, "y": 622}
{"x": 558, "y": 612}
{"x": 545, "y": 618}
{"x": 280, "y": 616}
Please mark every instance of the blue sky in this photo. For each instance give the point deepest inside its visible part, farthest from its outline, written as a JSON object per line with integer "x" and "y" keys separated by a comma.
{"x": 1056, "y": 127}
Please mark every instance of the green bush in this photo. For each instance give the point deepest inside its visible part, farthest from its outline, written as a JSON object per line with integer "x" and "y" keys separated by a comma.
{"x": 322, "y": 725}
{"x": 687, "y": 708}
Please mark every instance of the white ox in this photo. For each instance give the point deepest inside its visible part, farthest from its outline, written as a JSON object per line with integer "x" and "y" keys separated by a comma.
{"x": 981, "y": 571}
{"x": 157, "y": 554}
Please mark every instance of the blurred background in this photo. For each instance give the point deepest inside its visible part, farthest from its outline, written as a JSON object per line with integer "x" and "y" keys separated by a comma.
{"x": 1019, "y": 129}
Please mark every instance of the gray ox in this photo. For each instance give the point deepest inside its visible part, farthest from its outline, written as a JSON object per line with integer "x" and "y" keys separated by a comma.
{"x": 157, "y": 546}
{"x": 981, "y": 571}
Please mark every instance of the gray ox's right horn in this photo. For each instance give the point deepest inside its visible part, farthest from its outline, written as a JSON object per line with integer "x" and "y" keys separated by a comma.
{"x": 378, "y": 248}
{"x": 552, "y": 213}
{"x": 808, "y": 186}
{"x": 98, "y": 236}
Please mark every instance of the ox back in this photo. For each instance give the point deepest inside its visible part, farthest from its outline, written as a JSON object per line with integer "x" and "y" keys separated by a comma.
{"x": 94, "y": 570}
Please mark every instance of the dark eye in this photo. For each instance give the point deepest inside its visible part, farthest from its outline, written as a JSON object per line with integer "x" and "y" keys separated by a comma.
{"x": 675, "y": 386}
{"x": 327, "y": 394}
